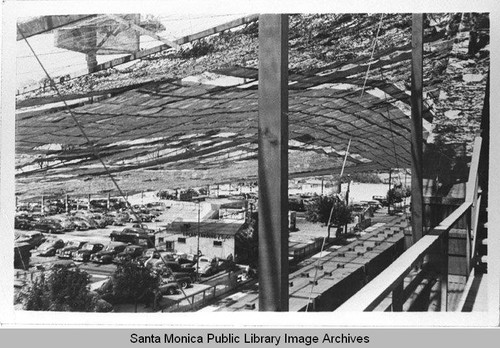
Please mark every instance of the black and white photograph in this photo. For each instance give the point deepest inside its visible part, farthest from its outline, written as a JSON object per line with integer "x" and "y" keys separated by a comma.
{"x": 229, "y": 164}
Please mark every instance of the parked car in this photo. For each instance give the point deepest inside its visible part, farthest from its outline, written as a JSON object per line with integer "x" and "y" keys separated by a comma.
{"x": 136, "y": 236}
{"x": 80, "y": 223}
{"x": 186, "y": 260}
{"x": 148, "y": 253}
{"x": 139, "y": 217}
{"x": 22, "y": 223}
{"x": 143, "y": 227}
{"x": 148, "y": 214}
{"x": 207, "y": 266}
{"x": 109, "y": 218}
{"x": 48, "y": 226}
{"x": 129, "y": 253}
{"x": 120, "y": 219}
{"x": 382, "y": 200}
{"x": 62, "y": 264}
{"x": 86, "y": 217}
{"x": 86, "y": 251}
{"x": 107, "y": 254}
{"x": 374, "y": 204}
{"x": 100, "y": 220}
{"x": 49, "y": 247}
{"x": 69, "y": 248}
{"x": 67, "y": 224}
{"x": 33, "y": 238}
{"x": 152, "y": 258}
{"x": 93, "y": 223}
{"x": 174, "y": 269}
{"x": 168, "y": 286}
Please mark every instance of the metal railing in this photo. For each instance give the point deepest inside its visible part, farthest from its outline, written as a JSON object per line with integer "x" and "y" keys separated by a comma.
{"x": 201, "y": 298}
{"x": 431, "y": 249}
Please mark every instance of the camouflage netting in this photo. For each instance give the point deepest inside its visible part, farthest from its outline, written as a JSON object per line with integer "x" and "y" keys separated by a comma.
{"x": 165, "y": 130}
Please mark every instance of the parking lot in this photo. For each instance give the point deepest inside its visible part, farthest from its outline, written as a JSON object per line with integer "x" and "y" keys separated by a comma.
{"x": 101, "y": 272}
{"x": 97, "y": 235}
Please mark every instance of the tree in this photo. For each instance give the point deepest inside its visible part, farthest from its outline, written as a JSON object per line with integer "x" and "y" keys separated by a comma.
{"x": 62, "y": 289}
{"x": 248, "y": 240}
{"x": 134, "y": 282}
{"x": 322, "y": 207}
{"x": 397, "y": 193}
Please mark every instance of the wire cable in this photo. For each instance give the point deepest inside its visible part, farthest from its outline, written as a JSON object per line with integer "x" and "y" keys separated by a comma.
{"x": 328, "y": 226}
{"x": 94, "y": 150}
{"x": 371, "y": 56}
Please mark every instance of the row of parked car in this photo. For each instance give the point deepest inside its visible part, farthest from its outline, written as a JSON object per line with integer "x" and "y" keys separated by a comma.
{"x": 80, "y": 221}
{"x": 119, "y": 252}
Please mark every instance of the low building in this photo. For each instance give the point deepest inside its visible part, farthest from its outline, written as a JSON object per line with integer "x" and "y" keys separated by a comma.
{"x": 211, "y": 238}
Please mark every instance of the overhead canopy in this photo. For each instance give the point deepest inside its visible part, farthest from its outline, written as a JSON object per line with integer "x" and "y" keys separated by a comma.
{"x": 176, "y": 125}
{"x": 206, "y": 125}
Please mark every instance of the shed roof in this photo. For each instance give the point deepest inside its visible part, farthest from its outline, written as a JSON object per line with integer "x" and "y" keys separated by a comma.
{"x": 206, "y": 228}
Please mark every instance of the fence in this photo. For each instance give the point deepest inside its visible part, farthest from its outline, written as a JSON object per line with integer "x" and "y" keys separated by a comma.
{"x": 430, "y": 251}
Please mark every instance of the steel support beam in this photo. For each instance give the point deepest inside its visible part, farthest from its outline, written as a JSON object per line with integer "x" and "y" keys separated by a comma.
{"x": 40, "y": 25}
{"x": 66, "y": 204}
{"x": 273, "y": 162}
{"x": 416, "y": 127}
{"x": 388, "y": 198}
{"x": 143, "y": 31}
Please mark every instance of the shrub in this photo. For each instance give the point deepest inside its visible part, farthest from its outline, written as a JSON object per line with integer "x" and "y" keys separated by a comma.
{"x": 63, "y": 289}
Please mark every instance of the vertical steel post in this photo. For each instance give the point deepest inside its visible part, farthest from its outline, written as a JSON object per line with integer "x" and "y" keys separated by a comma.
{"x": 389, "y": 197}
{"x": 347, "y": 198}
{"x": 198, "y": 245}
{"x": 66, "y": 204}
{"x": 443, "y": 265}
{"x": 273, "y": 162}
{"x": 397, "y": 297}
{"x": 416, "y": 127}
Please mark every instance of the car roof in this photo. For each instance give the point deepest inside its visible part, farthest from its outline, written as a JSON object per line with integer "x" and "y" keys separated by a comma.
{"x": 131, "y": 246}
{"x": 62, "y": 263}
{"x": 31, "y": 233}
{"x": 116, "y": 244}
{"x": 53, "y": 240}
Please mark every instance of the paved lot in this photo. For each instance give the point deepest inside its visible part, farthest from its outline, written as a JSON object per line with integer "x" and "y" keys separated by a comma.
{"x": 100, "y": 235}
